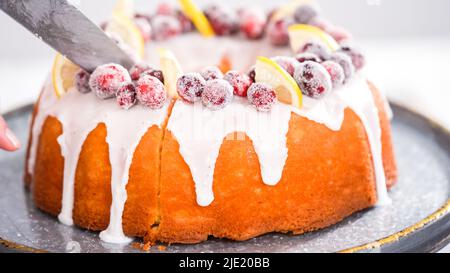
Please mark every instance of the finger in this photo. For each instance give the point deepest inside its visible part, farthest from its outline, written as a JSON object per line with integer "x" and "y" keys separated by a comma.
{"x": 8, "y": 141}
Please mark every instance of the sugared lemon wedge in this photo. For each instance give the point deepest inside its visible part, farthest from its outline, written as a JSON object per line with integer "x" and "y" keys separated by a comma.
{"x": 287, "y": 89}
{"x": 172, "y": 71}
{"x": 301, "y": 34}
{"x": 123, "y": 26}
{"x": 124, "y": 8}
{"x": 63, "y": 75}
{"x": 197, "y": 17}
{"x": 288, "y": 9}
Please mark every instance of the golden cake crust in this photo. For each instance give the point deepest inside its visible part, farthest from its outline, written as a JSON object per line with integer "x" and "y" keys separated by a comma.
{"x": 327, "y": 177}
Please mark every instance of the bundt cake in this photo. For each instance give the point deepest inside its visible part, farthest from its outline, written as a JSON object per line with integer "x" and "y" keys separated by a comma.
{"x": 297, "y": 144}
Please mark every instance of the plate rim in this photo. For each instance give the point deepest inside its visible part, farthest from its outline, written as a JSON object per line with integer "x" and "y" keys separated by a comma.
{"x": 424, "y": 224}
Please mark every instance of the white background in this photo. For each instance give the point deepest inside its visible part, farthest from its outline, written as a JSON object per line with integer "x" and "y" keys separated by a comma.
{"x": 407, "y": 43}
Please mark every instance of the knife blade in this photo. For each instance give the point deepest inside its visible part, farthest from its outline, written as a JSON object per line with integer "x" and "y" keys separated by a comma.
{"x": 65, "y": 28}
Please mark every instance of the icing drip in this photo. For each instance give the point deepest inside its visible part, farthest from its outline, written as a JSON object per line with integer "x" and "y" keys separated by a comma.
{"x": 79, "y": 114}
{"x": 200, "y": 133}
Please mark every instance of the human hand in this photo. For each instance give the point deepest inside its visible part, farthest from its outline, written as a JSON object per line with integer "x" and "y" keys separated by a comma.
{"x": 8, "y": 141}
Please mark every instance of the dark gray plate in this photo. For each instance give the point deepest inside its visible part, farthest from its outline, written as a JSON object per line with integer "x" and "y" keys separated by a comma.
{"x": 418, "y": 220}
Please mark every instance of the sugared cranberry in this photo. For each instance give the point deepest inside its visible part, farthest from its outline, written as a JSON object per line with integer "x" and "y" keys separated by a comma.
{"x": 223, "y": 20}
{"x": 165, "y": 27}
{"x": 253, "y": 23}
{"x": 317, "y": 48}
{"x": 217, "y": 94}
{"x": 185, "y": 22}
{"x": 211, "y": 73}
{"x": 144, "y": 27}
{"x": 106, "y": 80}
{"x": 345, "y": 62}
{"x": 305, "y": 13}
{"x": 307, "y": 56}
{"x": 252, "y": 74}
{"x": 358, "y": 59}
{"x": 138, "y": 69}
{"x": 313, "y": 79}
{"x": 190, "y": 87}
{"x": 336, "y": 73}
{"x": 126, "y": 96}
{"x": 150, "y": 92}
{"x": 240, "y": 82}
{"x": 339, "y": 34}
{"x": 287, "y": 63}
{"x": 165, "y": 8}
{"x": 278, "y": 32}
{"x": 154, "y": 73}
{"x": 262, "y": 96}
{"x": 82, "y": 81}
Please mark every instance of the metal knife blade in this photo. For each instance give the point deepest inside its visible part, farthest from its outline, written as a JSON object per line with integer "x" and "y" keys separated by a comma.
{"x": 67, "y": 30}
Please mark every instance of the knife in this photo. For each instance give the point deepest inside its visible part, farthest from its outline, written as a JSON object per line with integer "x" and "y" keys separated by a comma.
{"x": 67, "y": 30}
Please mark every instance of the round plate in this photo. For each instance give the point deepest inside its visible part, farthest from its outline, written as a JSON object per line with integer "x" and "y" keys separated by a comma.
{"x": 418, "y": 219}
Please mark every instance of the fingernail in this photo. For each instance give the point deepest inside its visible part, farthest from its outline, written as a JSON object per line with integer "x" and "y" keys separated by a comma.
{"x": 12, "y": 138}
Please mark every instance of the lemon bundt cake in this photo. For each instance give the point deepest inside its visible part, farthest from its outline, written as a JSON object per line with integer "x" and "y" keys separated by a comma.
{"x": 299, "y": 143}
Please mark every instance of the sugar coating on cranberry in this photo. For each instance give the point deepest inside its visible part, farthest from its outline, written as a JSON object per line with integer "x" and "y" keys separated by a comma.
{"x": 106, "y": 80}
{"x": 165, "y": 27}
{"x": 190, "y": 87}
{"x": 307, "y": 56}
{"x": 277, "y": 32}
{"x": 262, "y": 96}
{"x": 336, "y": 73}
{"x": 287, "y": 63}
{"x": 151, "y": 92}
{"x": 317, "y": 48}
{"x": 358, "y": 59}
{"x": 240, "y": 82}
{"x": 305, "y": 13}
{"x": 154, "y": 73}
{"x": 126, "y": 96}
{"x": 313, "y": 79}
{"x": 185, "y": 22}
{"x": 345, "y": 62}
{"x": 211, "y": 73}
{"x": 144, "y": 27}
{"x": 82, "y": 81}
{"x": 253, "y": 23}
{"x": 223, "y": 19}
{"x": 217, "y": 94}
{"x": 138, "y": 69}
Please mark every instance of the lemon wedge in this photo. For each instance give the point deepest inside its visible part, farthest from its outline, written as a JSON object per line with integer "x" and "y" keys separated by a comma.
{"x": 63, "y": 75}
{"x": 287, "y": 89}
{"x": 124, "y": 8}
{"x": 301, "y": 34}
{"x": 197, "y": 17}
{"x": 128, "y": 31}
{"x": 172, "y": 71}
{"x": 288, "y": 9}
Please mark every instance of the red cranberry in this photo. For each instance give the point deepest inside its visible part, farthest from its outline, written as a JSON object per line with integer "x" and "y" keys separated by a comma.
{"x": 165, "y": 27}
{"x": 358, "y": 59}
{"x": 165, "y": 9}
{"x": 106, "y": 80}
{"x": 240, "y": 82}
{"x": 186, "y": 23}
{"x": 278, "y": 32}
{"x": 144, "y": 27}
{"x": 253, "y": 23}
{"x": 313, "y": 79}
{"x": 317, "y": 48}
{"x": 305, "y": 13}
{"x": 339, "y": 34}
{"x": 223, "y": 20}
{"x": 345, "y": 62}
{"x": 262, "y": 96}
{"x": 287, "y": 63}
{"x": 307, "y": 56}
{"x": 138, "y": 69}
{"x": 252, "y": 74}
{"x": 336, "y": 72}
{"x": 82, "y": 81}
{"x": 190, "y": 87}
{"x": 154, "y": 73}
{"x": 126, "y": 96}
{"x": 150, "y": 92}
{"x": 217, "y": 94}
{"x": 211, "y": 73}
